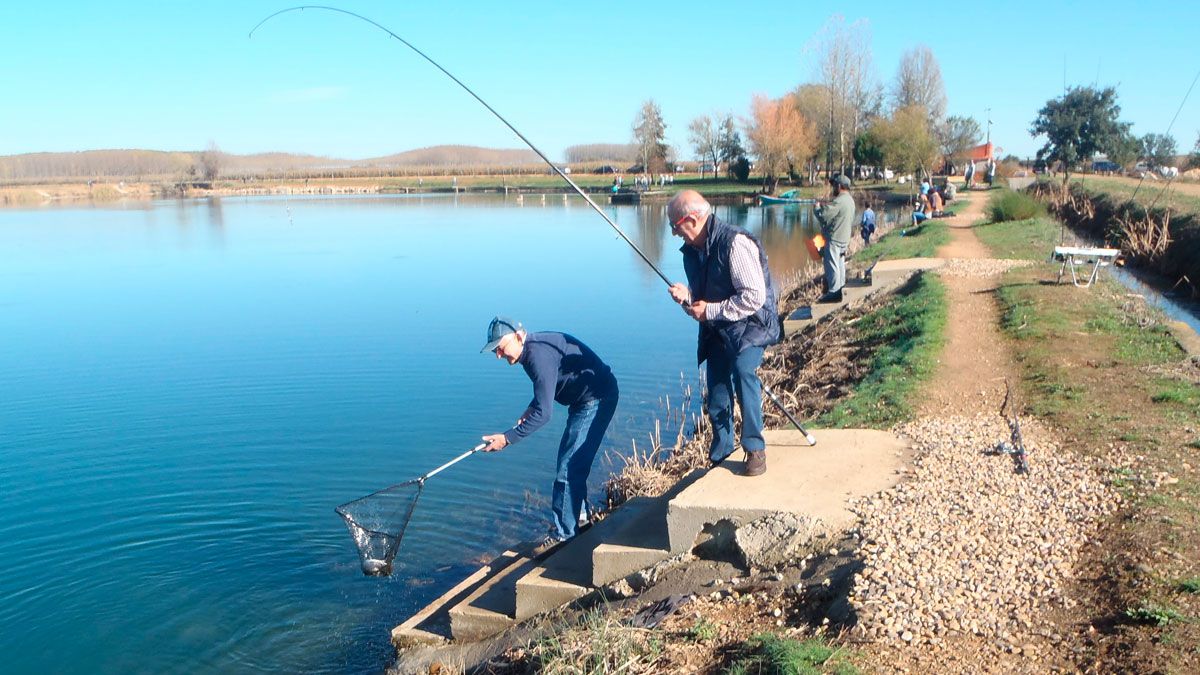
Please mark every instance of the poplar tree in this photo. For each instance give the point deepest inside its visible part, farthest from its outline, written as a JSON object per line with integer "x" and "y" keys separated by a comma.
{"x": 649, "y": 132}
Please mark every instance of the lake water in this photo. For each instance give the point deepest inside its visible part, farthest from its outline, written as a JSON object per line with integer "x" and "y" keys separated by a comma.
{"x": 190, "y": 387}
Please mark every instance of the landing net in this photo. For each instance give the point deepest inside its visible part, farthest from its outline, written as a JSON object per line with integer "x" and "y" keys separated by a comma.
{"x": 377, "y": 523}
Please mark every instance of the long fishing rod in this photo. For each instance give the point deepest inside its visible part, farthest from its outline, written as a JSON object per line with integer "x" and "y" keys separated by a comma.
{"x": 809, "y": 437}
{"x": 500, "y": 117}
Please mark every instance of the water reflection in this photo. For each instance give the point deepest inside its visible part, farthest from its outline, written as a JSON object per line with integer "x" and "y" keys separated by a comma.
{"x": 650, "y": 236}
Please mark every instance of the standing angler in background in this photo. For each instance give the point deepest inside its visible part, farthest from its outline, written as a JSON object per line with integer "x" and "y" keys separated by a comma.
{"x": 867, "y": 227}
{"x": 731, "y": 294}
{"x": 837, "y": 220}
{"x": 565, "y": 370}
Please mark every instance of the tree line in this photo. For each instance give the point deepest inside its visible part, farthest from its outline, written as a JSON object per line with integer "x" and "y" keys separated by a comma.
{"x": 843, "y": 120}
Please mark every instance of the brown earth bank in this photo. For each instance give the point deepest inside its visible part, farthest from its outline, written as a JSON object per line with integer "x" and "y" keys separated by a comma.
{"x": 968, "y": 565}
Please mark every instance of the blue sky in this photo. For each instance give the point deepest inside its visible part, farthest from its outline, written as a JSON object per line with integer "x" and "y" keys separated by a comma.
{"x": 176, "y": 75}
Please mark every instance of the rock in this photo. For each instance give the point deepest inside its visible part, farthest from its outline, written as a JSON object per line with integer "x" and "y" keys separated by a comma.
{"x": 774, "y": 539}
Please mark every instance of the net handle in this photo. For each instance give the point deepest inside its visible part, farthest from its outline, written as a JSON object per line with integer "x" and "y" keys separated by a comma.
{"x": 452, "y": 462}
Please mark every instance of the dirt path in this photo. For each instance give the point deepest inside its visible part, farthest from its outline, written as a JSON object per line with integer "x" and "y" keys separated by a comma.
{"x": 970, "y": 377}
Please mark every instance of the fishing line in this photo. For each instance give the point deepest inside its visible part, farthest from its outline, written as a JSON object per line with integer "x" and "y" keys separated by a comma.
{"x": 1169, "y": 126}
{"x": 490, "y": 109}
{"x": 553, "y": 166}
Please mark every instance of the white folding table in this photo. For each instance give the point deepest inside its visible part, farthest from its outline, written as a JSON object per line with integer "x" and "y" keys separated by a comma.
{"x": 1075, "y": 256}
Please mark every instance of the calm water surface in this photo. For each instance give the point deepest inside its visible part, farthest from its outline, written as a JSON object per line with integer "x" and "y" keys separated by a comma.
{"x": 190, "y": 387}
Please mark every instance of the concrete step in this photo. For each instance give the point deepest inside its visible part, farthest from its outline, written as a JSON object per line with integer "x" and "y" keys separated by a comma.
{"x": 433, "y": 623}
{"x": 538, "y": 592}
{"x": 887, "y": 276}
{"x": 641, "y": 541}
{"x": 568, "y": 573}
{"x": 491, "y": 606}
{"x": 813, "y": 481}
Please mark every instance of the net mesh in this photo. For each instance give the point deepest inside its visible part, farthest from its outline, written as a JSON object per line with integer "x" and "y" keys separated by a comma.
{"x": 377, "y": 523}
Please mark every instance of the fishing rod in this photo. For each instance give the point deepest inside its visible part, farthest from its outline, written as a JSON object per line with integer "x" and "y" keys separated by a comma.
{"x": 1168, "y": 133}
{"x": 299, "y": 8}
{"x": 500, "y": 117}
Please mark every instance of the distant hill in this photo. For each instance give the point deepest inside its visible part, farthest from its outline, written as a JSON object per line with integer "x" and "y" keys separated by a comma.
{"x": 160, "y": 165}
{"x": 457, "y": 155}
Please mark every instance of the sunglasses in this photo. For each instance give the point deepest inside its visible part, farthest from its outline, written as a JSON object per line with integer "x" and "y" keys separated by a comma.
{"x": 679, "y": 223}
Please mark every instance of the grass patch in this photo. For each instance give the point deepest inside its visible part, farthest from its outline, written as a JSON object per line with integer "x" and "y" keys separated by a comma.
{"x": 766, "y": 654}
{"x": 1030, "y": 239}
{"x": 1006, "y": 205}
{"x": 1093, "y": 366}
{"x": 910, "y": 331}
{"x": 1177, "y": 392}
{"x": 702, "y": 631}
{"x": 1191, "y": 585}
{"x": 908, "y": 242}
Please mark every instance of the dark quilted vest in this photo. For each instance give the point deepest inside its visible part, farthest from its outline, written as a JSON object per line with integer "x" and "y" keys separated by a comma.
{"x": 710, "y": 281}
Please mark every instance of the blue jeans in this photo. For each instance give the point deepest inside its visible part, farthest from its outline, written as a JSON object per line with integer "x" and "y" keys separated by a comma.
{"x": 729, "y": 375}
{"x": 586, "y": 424}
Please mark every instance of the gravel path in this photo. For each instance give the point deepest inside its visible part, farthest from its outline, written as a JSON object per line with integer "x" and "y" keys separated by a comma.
{"x": 979, "y": 267}
{"x": 968, "y": 546}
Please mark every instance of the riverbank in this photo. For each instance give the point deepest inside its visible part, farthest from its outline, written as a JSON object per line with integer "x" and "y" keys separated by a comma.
{"x": 599, "y": 185}
{"x": 1084, "y": 563}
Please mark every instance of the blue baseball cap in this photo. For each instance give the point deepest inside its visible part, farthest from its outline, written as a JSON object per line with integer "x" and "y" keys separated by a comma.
{"x": 497, "y": 329}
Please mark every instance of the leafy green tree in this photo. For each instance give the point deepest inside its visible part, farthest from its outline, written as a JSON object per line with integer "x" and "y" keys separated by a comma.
{"x": 1158, "y": 150}
{"x": 907, "y": 143}
{"x": 1125, "y": 150}
{"x": 1081, "y": 123}
{"x": 868, "y": 149}
{"x": 649, "y": 132}
{"x": 729, "y": 144}
{"x": 1194, "y": 160}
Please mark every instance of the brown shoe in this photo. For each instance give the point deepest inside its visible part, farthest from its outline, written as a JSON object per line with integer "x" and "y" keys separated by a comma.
{"x": 756, "y": 463}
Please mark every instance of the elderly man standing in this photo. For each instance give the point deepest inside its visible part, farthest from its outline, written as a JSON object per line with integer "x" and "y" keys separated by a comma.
{"x": 731, "y": 294}
{"x": 566, "y": 371}
{"x": 837, "y": 219}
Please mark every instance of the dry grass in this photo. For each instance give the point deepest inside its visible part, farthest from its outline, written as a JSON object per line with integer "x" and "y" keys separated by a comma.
{"x": 651, "y": 471}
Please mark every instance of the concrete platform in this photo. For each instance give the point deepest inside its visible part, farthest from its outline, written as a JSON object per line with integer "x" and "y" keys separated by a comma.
{"x": 814, "y": 481}
{"x": 887, "y": 276}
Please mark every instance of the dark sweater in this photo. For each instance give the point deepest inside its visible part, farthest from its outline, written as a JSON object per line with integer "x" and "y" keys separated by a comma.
{"x": 562, "y": 369}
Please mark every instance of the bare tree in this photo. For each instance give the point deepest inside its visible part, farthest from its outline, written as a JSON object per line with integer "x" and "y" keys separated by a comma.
{"x": 956, "y": 135}
{"x": 779, "y": 136}
{"x": 600, "y": 152}
{"x": 703, "y": 136}
{"x": 845, "y": 70}
{"x": 919, "y": 82}
{"x": 210, "y": 161}
{"x": 649, "y": 130}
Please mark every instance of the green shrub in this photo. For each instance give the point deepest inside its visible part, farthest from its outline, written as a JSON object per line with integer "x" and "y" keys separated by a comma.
{"x": 1153, "y": 614}
{"x": 767, "y": 654}
{"x": 1011, "y": 205}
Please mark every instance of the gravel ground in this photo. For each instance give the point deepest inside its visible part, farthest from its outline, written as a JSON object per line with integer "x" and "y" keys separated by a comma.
{"x": 968, "y": 546}
{"x": 980, "y": 267}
